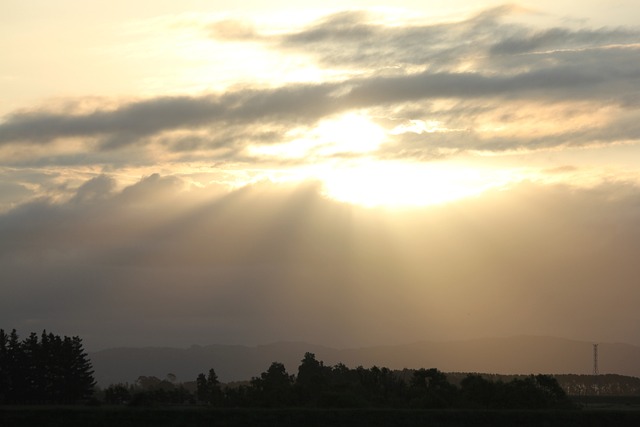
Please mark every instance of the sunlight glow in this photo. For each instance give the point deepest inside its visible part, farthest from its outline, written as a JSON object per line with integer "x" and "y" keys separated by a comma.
{"x": 340, "y": 153}
{"x": 418, "y": 126}
{"x": 348, "y": 133}
{"x": 352, "y": 133}
{"x": 408, "y": 184}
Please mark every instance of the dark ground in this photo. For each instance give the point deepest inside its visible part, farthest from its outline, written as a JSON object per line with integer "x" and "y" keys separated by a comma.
{"x": 197, "y": 416}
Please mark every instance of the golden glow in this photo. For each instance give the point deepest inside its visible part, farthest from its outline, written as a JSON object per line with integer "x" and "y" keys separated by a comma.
{"x": 395, "y": 184}
{"x": 348, "y": 133}
{"x": 367, "y": 181}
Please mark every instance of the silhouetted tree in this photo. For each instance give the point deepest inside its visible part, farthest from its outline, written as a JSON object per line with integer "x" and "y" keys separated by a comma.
{"x": 147, "y": 383}
{"x": 239, "y": 396}
{"x": 78, "y": 372}
{"x": 554, "y": 395}
{"x": 49, "y": 370}
{"x": 477, "y": 392}
{"x": 532, "y": 392}
{"x": 17, "y": 367}
{"x": 151, "y": 390}
{"x": 341, "y": 387}
{"x": 5, "y": 373}
{"x": 274, "y": 387}
{"x": 208, "y": 389}
{"x": 118, "y": 394}
{"x": 345, "y": 389}
{"x": 312, "y": 380}
{"x": 202, "y": 389}
{"x": 430, "y": 389}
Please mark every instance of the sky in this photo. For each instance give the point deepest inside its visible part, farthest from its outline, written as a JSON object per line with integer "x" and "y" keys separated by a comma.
{"x": 344, "y": 173}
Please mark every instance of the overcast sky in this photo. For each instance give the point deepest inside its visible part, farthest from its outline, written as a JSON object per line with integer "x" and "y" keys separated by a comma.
{"x": 339, "y": 172}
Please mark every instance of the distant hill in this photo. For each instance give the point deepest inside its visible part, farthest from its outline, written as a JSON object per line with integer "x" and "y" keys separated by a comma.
{"x": 513, "y": 355}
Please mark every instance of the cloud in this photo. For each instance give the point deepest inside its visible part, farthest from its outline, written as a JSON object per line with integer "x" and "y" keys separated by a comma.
{"x": 360, "y": 40}
{"x": 95, "y": 189}
{"x": 483, "y": 66}
{"x": 230, "y": 29}
{"x": 10, "y": 192}
{"x": 133, "y": 121}
{"x": 357, "y": 39}
{"x": 129, "y": 121}
{"x": 514, "y": 135}
{"x": 528, "y": 41}
{"x": 157, "y": 263}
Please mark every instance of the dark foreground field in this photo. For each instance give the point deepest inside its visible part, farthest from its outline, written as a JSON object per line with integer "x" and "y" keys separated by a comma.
{"x": 158, "y": 417}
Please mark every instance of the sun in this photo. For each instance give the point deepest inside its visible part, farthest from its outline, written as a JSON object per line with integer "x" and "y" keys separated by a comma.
{"x": 349, "y": 133}
{"x": 374, "y": 183}
{"x": 341, "y": 151}
{"x": 345, "y": 135}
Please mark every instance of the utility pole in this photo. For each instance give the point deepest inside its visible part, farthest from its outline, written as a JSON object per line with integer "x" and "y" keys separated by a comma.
{"x": 595, "y": 359}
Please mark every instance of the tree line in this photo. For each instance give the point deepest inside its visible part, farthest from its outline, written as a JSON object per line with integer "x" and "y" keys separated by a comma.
{"x": 52, "y": 369}
{"x": 45, "y": 369}
{"x": 321, "y": 386}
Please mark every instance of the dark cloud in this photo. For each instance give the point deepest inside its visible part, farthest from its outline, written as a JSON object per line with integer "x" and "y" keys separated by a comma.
{"x": 95, "y": 189}
{"x": 433, "y": 145}
{"x": 155, "y": 264}
{"x": 10, "y": 192}
{"x": 343, "y": 26}
{"x": 356, "y": 39}
{"x": 129, "y": 121}
{"x": 551, "y": 83}
{"x": 299, "y": 103}
{"x": 137, "y": 120}
{"x": 21, "y": 184}
{"x": 562, "y": 38}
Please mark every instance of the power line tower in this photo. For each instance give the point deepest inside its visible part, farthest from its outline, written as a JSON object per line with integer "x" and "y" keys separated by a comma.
{"x": 595, "y": 359}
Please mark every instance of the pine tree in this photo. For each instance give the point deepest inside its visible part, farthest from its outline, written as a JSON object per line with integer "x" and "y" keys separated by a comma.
{"x": 16, "y": 366}
{"x": 79, "y": 382}
{"x": 4, "y": 367}
{"x": 49, "y": 370}
{"x": 202, "y": 392}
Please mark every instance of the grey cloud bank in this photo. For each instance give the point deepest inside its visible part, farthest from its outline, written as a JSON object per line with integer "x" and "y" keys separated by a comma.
{"x": 130, "y": 124}
{"x": 154, "y": 264}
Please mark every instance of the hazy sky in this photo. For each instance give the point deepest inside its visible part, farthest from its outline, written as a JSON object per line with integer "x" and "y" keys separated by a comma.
{"x": 339, "y": 172}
